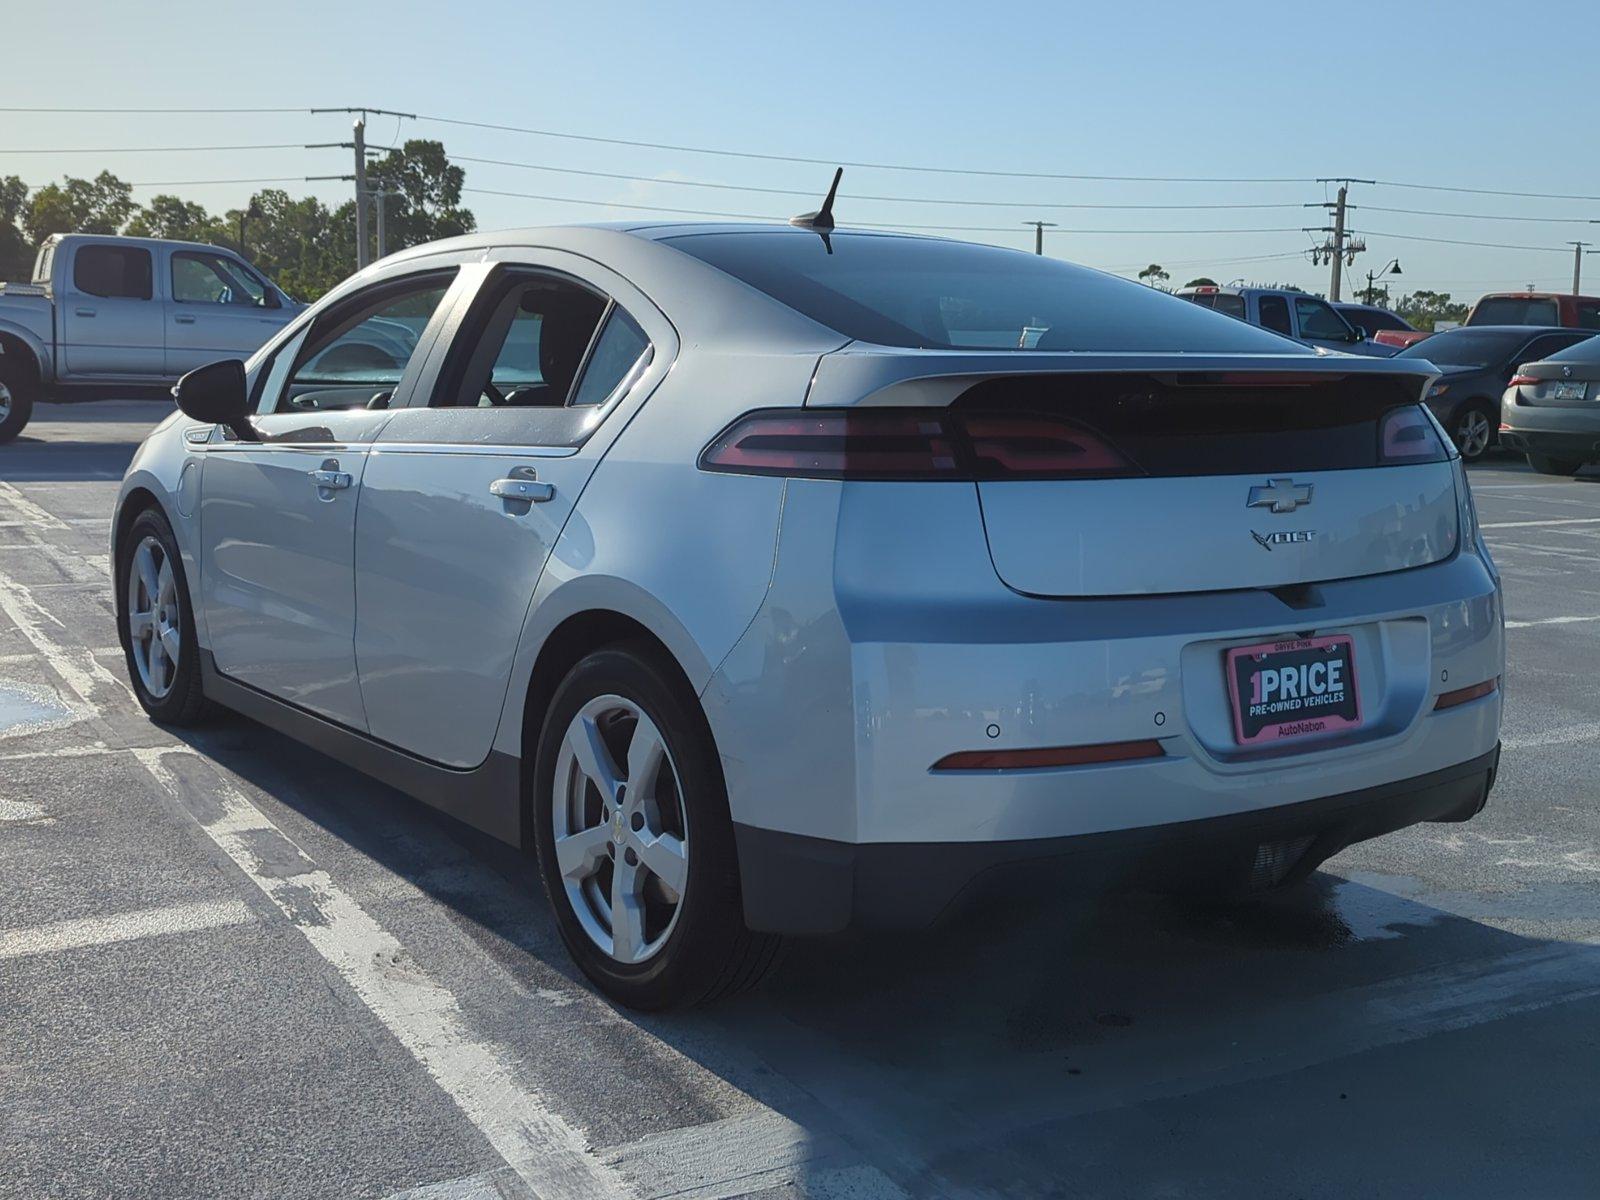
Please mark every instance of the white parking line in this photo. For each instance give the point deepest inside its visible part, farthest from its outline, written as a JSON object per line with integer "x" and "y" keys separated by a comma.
{"x": 1566, "y": 735}
{"x": 122, "y": 927}
{"x": 1549, "y": 521}
{"x": 1573, "y": 620}
{"x": 20, "y": 812}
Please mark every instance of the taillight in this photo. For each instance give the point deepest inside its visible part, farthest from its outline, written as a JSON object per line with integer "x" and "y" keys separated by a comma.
{"x": 1409, "y": 435}
{"x": 911, "y": 444}
{"x": 1524, "y": 380}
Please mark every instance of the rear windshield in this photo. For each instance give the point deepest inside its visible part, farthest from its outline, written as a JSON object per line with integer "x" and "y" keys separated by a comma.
{"x": 1466, "y": 347}
{"x": 923, "y": 293}
{"x": 1514, "y": 310}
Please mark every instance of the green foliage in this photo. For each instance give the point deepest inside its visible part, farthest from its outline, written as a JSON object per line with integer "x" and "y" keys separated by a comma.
{"x": 1203, "y": 281}
{"x": 1424, "y": 309}
{"x": 99, "y": 205}
{"x": 303, "y": 246}
{"x": 1154, "y": 275}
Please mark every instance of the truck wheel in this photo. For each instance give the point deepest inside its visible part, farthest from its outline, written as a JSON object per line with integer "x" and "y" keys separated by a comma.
{"x": 16, "y": 399}
{"x": 1546, "y": 465}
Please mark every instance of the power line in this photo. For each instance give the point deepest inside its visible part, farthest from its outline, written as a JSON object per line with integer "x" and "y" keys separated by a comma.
{"x": 207, "y": 182}
{"x": 148, "y": 111}
{"x": 1424, "y": 212}
{"x": 1412, "y": 237}
{"x": 744, "y": 216}
{"x": 1439, "y": 187}
{"x": 153, "y": 149}
{"x": 836, "y": 162}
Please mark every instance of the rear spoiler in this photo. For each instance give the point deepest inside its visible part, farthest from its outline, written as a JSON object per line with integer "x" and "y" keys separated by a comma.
{"x": 858, "y": 374}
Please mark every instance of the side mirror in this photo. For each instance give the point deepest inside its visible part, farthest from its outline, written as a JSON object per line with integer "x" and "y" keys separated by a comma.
{"x": 215, "y": 394}
{"x": 1361, "y": 333}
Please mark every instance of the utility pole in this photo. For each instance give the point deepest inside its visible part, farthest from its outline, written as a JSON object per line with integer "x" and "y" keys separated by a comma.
{"x": 1339, "y": 249}
{"x": 359, "y": 145}
{"x": 1038, "y": 234}
{"x": 1577, "y": 265}
{"x": 380, "y": 199}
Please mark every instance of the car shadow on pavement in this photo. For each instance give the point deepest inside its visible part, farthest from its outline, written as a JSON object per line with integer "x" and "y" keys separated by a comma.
{"x": 1036, "y": 1036}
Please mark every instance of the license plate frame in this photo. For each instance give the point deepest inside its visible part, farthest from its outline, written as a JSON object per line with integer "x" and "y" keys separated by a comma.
{"x": 1569, "y": 391}
{"x": 1312, "y": 716}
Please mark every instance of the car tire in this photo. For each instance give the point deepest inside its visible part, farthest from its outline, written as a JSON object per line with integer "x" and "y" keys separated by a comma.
{"x": 685, "y": 942}
{"x": 1546, "y": 465}
{"x": 1474, "y": 429}
{"x": 16, "y": 398}
{"x": 156, "y": 627}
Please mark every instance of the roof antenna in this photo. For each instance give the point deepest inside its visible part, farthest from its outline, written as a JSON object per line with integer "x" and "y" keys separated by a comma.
{"x": 821, "y": 221}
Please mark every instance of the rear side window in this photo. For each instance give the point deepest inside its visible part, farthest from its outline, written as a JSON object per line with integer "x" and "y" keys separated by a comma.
{"x": 620, "y": 352}
{"x": 1275, "y": 315}
{"x": 925, "y": 293}
{"x": 1515, "y": 310}
{"x": 115, "y": 272}
{"x": 1589, "y": 314}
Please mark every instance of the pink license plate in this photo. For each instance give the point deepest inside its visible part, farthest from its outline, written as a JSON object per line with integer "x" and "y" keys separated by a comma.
{"x": 1294, "y": 688}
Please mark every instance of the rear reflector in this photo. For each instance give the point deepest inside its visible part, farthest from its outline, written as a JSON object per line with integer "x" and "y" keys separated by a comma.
{"x": 1050, "y": 756}
{"x": 1465, "y": 695}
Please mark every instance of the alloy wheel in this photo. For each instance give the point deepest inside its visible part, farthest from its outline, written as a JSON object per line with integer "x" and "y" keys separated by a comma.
{"x": 1472, "y": 433}
{"x": 5, "y": 401}
{"x": 621, "y": 831}
{"x": 155, "y": 626}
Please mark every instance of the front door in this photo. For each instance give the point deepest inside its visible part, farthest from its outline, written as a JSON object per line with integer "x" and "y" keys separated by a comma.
{"x": 217, "y": 308}
{"x": 278, "y": 517}
{"x": 463, "y": 501}
{"x": 110, "y": 318}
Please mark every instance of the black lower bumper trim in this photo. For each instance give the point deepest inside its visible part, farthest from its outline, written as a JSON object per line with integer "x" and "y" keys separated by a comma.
{"x": 798, "y": 884}
{"x": 1583, "y": 447}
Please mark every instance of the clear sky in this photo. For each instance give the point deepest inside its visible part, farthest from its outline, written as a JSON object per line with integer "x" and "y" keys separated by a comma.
{"x": 1472, "y": 94}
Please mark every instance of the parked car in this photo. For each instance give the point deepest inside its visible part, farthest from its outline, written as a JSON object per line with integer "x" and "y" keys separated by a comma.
{"x": 1537, "y": 308}
{"x": 126, "y": 316}
{"x": 1298, "y": 315}
{"x": 1551, "y": 410}
{"x": 1476, "y": 364}
{"x": 1149, "y": 593}
{"x": 1382, "y": 326}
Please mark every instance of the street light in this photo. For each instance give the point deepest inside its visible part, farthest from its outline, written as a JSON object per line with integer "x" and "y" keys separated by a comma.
{"x": 1393, "y": 268}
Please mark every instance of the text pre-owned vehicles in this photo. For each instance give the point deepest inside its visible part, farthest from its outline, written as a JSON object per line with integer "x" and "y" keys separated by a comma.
{"x": 762, "y": 583}
{"x": 123, "y": 315}
{"x": 1551, "y": 410}
{"x": 1306, "y": 318}
{"x": 1476, "y": 366}
{"x": 1537, "y": 308}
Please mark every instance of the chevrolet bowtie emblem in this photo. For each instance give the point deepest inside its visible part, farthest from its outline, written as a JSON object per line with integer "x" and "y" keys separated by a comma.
{"x": 1280, "y": 495}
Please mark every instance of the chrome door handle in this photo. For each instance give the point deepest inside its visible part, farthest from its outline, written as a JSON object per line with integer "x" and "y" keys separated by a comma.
{"x": 530, "y": 490}
{"x": 183, "y": 319}
{"x": 329, "y": 479}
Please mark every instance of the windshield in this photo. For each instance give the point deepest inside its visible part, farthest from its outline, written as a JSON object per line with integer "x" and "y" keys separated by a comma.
{"x": 923, "y": 293}
{"x": 1466, "y": 347}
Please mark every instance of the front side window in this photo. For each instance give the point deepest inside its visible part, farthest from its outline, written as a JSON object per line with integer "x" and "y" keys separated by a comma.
{"x": 199, "y": 278}
{"x": 1275, "y": 315}
{"x": 114, "y": 272}
{"x": 354, "y": 355}
{"x": 1318, "y": 320}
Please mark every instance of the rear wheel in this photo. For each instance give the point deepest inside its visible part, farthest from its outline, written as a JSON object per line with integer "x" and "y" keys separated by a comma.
{"x": 16, "y": 397}
{"x": 634, "y": 838}
{"x": 1546, "y": 465}
{"x": 1473, "y": 430}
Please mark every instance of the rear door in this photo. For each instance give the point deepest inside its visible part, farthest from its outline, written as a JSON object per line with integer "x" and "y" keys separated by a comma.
{"x": 110, "y": 317}
{"x": 216, "y": 308}
{"x": 467, "y": 491}
{"x": 278, "y": 516}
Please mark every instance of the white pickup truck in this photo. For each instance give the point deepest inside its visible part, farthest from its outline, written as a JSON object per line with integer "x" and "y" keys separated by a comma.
{"x": 125, "y": 316}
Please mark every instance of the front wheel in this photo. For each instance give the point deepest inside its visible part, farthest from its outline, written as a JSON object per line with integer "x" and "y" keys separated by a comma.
{"x": 1473, "y": 430}
{"x": 155, "y": 624}
{"x": 16, "y": 400}
{"x": 1546, "y": 465}
{"x": 634, "y": 838}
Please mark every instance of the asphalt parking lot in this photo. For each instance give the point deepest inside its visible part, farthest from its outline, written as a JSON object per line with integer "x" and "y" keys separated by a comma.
{"x": 231, "y": 967}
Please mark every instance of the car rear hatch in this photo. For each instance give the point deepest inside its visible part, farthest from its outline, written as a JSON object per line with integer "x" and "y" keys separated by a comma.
{"x": 1184, "y": 476}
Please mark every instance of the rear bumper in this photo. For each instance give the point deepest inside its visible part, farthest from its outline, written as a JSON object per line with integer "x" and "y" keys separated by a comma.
{"x": 798, "y": 884}
{"x": 1556, "y": 430}
{"x": 1585, "y": 447}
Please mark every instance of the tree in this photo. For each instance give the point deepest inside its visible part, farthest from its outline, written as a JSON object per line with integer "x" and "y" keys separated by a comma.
{"x": 1154, "y": 275}
{"x": 99, "y": 205}
{"x": 299, "y": 243}
{"x": 428, "y": 205}
{"x": 16, "y": 255}
{"x": 1425, "y": 309}
{"x": 170, "y": 217}
{"x": 1203, "y": 281}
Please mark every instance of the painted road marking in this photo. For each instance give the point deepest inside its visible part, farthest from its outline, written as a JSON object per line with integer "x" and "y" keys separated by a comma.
{"x": 122, "y": 927}
{"x": 1549, "y": 521}
{"x": 1551, "y": 621}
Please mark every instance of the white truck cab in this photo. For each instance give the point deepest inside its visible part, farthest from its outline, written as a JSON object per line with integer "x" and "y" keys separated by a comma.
{"x": 126, "y": 316}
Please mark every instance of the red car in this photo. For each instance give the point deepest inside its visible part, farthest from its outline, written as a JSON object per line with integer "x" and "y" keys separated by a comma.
{"x": 1537, "y": 308}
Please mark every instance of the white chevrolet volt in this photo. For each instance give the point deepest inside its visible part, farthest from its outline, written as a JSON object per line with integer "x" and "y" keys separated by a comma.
{"x": 766, "y": 581}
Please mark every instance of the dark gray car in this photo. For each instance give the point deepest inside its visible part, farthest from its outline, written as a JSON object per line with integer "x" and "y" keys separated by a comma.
{"x": 1476, "y": 365}
{"x": 1551, "y": 410}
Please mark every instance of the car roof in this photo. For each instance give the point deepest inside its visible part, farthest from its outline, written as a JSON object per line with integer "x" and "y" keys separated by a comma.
{"x": 123, "y": 239}
{"x": 1533, "y": 296}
